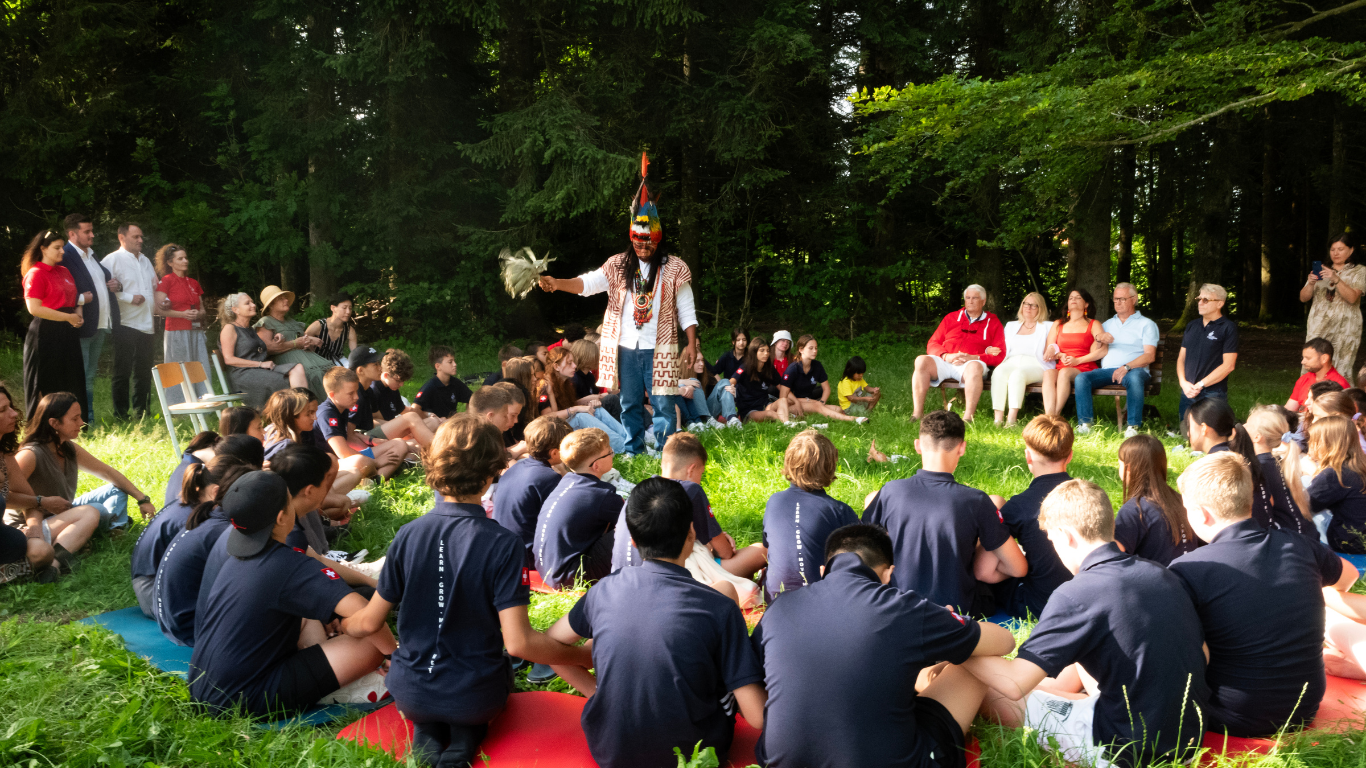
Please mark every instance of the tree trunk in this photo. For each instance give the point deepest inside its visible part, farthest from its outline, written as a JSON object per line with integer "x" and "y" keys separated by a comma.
{"x": 1250, "y": 253}
{"x": 1268, "y": 237}
{"x": 689, "y": 222}
{"x": 985, "y": 260}
{"x": 1088, "y": 237}
{"x": 1124, "y": 268}
{"x": 1338, "y": 200}
{"x": 321, "y": 187}
{"x": 1211, "y": 224}
{"x": 1164, "y": 190}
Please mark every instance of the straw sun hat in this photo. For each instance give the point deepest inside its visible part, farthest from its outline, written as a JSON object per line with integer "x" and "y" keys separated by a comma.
{"x": 271, "y": 293}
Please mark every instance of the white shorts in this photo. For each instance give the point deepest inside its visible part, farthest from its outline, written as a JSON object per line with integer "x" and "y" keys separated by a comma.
{"x": 1067, "y": 722}
{"x": 945, "y": 370}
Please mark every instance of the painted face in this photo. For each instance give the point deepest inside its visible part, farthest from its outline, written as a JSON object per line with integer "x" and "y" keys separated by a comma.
{"x": 644, "y": 251}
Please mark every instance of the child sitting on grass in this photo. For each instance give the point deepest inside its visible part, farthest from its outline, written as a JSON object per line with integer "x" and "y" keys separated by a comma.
{"x": 1339, "y": 488}
{"x": 856, "y": 397}
{"x": 198, "y": 487}
{"x": 459, "y": 582}
{"x": 240, "y": 420}
{"x": 1152, "y": 523}
{"x": 945, "y": 533}
{"x": 396, "y": 368}
{"x": 807, "y": 381}
{"x": 798, "y": 520}
{"x": 573, "y": 543}
{"x": 443, "y": 392}
{"x": 1124, "y": 623}
{"x": 366, "y": 414}
{"x": 670, "y": 652}
{"x": 289, "y": 415}
{"x": 333, "y": 431}
{"x": 1262, "y": 675}
{"x": 522, "y": 490}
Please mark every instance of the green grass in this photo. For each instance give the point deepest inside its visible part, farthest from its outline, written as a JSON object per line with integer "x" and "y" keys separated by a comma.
{"x": 69, "y": 694}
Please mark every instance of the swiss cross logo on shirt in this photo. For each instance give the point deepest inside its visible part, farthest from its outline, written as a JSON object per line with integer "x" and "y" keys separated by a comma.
{"x": 526, "y": 577}
{"x": 331, "y": 422}
{"x": 954, "y": 614}
{"x": 419, "y": 395}
{"x": 544, "y": 398}
{"x": 998, "y": 516}
{"x": 331, "y": 574}
{"x": 300, "y": 551}
{"x": 355, "y": 408}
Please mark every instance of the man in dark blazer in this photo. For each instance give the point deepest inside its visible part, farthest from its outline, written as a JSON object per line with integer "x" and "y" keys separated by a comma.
{"x": 94, "y": 285}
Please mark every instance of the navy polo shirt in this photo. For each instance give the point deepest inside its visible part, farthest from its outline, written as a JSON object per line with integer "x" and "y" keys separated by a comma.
{"x": 935, "y": 523}
{"x": 1206, "y": 346}
{"x": 585, "y": 384}
{"x": 1258, "y": 669}
{"x": 1131, "y": 625}
{"x": 724, "y": 368}
{"x": 1143, "y": 530}
{"x": 387, "y": 401}
{"x": 1345, "y": 499}
{"x": 575, "y": 515}
{"x": 519, "y": 496}
{"x": 441, "y": 399}
{"x": 755, "y": 395}
{"x": 796, "y": 524}
{"x": 1028, "y": 596}
{"x": 251, "y": 625}
{"x": 1285, "y": 513}
{"x": 157, "y": 536}
{"x": 176, "y": 481}
{"x": 840, "y": 662}
{"x": 450, "y": 572}
{"x": 1261, "y": 498}
{"x": 213, "y": 563}
{"x": 177, "y": 583}
{"x": 667, "y": 649}
{"x": 805, "y": 384}
{"x": 624, "y": 551}
{"x": 330, "y": 422}
{"x": 362, "y": 414}
{"x": 305, "y": 438}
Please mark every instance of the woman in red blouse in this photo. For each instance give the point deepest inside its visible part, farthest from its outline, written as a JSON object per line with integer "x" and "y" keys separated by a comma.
{"x": 180, "y": 300}
{"x": 52, "y": 348}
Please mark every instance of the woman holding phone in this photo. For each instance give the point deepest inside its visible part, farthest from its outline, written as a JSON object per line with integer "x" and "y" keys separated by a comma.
{"x": 1335, "y": 288}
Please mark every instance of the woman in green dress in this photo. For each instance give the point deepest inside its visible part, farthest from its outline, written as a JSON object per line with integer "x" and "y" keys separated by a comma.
{"x": 285, "y": 339}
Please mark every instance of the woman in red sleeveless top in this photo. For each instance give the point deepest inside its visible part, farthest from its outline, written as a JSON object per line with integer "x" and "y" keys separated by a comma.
{"x": 1072, "y": 343}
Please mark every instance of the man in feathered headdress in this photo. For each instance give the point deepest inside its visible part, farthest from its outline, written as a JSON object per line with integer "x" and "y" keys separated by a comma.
{"x": 648, "y": 298}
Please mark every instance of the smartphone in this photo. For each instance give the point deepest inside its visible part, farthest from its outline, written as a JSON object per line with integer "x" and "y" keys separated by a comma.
{"x": 1317, "y": 268}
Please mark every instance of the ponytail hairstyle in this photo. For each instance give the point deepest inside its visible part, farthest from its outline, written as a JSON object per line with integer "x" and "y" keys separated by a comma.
{"x": 1269, "y": 423}
{"x": 222, "y": 471}
{"x": 1215, "y": 413}
{"x": 1145, "y": 477}
{"x": 1335, "y": 444}
{"x": 206, "y": 439}
{"x": 197, "y": 478}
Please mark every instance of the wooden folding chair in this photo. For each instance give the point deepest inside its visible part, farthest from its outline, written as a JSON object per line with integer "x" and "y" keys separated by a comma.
{"x": 169, "y": 375}
{"x": 194, "y": 373}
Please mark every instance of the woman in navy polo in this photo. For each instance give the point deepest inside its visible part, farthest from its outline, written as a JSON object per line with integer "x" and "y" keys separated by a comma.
{"x": 757, "y": 385}
{"x": 1212, "y": 428}
{"x": 461, "y": 584}
{"x": 807, "y": 381}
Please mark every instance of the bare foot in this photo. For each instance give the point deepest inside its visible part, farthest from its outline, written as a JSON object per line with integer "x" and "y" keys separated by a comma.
{"x": 874, "y": 455}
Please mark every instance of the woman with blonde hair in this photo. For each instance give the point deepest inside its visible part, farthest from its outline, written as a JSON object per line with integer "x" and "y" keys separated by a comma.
{"x": 1267, "y": 427}
{"x": 1026, "y": 340}
{"x": 1339, "y": 489}
{"x": 247, "y": 354}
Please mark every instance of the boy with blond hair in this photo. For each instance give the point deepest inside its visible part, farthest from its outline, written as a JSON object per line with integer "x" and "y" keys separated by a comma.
{"x": 798, "y": 520}
{"x": 1125, "y": 626}
{"x": 1263, "y": 675}
{"x": 573, "y": 541}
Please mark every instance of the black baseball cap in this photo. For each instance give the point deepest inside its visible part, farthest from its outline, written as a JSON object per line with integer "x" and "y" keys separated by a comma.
{"x": 363, "y": 355}
{"x": 252, "y": 505}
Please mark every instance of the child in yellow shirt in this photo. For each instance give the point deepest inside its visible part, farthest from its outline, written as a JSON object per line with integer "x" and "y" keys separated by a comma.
{"x": 856, "y": 397}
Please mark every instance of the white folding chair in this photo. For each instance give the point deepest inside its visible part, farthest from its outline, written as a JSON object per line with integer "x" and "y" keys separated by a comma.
{"x": 218, "y": 369}
{"x": 169, "y": 375}
{"x": 194, "y": 374}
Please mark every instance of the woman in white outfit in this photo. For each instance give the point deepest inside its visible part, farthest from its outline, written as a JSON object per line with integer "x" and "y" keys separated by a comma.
{"x": 1026, "y": 336}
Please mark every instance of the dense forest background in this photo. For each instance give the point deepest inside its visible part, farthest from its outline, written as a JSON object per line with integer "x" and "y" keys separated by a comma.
{"x": 846, "y": 165}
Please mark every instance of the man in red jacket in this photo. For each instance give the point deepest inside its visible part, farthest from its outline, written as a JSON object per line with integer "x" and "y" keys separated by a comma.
{"x": 966, "y": 342}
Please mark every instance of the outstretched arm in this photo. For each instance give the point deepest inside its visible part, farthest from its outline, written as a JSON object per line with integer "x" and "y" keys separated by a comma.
{"x": 568, "y": 285}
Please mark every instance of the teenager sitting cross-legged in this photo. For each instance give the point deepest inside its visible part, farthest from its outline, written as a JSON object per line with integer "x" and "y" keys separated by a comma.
{"x": 937, "y": 525}
{"x": 261, "y": 645}
{"x": 1263, "y": 675}
{"x": 459, "y": 583}
{"x": 573, "y": 542}
{"x": 1114, "y": 672}
{"x": 198, "y": 487}
{"x": 522, "y": 490}
{"x": 860, "y": 706}
{"x": 333, "y": 431}
{"x": 797, "y": 521}
{"x": 669, "y": 651}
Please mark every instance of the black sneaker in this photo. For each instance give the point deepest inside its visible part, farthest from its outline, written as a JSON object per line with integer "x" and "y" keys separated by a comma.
{"x": 65, "y": 559}
{"x": 48, "y": 575}
{"x": 540, "y": 674}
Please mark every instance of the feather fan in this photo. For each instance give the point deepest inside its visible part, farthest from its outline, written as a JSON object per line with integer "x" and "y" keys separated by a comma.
{"x": 521, "y": 269}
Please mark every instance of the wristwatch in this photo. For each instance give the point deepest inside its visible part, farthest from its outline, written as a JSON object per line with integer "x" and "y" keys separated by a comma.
{"x": 39, "y": 505}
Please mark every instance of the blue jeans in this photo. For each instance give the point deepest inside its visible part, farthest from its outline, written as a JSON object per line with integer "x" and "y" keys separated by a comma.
{"x": 90, "y": 355}
{"x": 695, "y": 408}
{"x": 1186, "y": 404}
{"x": 635, "y": 370}
{"x": 1134, "y": 382}
{"x": 720, "y": 402}
{"x": 110, "y": 501}
{"x": 616, "y": 434}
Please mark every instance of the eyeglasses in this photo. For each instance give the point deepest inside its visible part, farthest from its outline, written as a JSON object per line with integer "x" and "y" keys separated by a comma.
{"x": 1203, "y": 300}
{"x": 1126, "y": 298}
{"x": 607, "y": 455}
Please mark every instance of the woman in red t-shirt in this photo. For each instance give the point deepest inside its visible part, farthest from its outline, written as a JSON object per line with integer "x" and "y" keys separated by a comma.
{"x": 180, "y": 300}
{"x": 52, "y": 348}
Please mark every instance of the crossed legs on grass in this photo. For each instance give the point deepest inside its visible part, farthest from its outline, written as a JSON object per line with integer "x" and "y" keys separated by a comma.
{"x": 408, "y": 425}
{"x": 776, "y": 411}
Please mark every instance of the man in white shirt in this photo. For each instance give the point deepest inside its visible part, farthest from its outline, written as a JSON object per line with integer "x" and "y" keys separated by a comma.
{"x": 1133, "y": 347}
{"x": 94, "y": 288}
{"x": 134, "y": 336}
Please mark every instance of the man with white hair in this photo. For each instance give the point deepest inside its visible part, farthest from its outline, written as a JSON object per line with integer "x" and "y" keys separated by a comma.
{"x": 965, "y": 344}
{"x": 1133, "y": 347}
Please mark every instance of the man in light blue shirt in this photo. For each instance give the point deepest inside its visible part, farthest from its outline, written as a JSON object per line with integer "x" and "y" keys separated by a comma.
{"x": 1133, "y": 346}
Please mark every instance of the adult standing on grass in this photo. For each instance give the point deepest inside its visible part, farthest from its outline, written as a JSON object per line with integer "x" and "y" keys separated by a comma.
{"x": 649, "y": 297}
{"x": 1335, "y": 291}
{"x": 181, "y": 301}
{"x": 52, "y": 348}
{"x": 336, "y": 334}
{"x": 1132, "y": 340}
{"x": 1209, "y": 351}
{"x": 95, "y": 290}
{"x": 285, "y": 339}
{"x": 962, "y": 348}
{"x": 134, "y": 336}
{"x": 50, "y": 459}
{"x": 245, "y": 353}
{"x": 19, "y": 540}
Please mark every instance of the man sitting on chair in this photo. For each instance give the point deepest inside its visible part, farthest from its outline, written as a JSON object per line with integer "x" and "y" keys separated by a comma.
{"x": 965, "y": 344}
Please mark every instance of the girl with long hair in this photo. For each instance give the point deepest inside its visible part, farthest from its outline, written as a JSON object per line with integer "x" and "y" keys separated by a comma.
{"x": 1212, "y": 428}
{"x": 756, "y": 387}
{"x": 521, "y": 373}
{"x": 180, "y": 300}
{"x": 289, "y": 417}
{"x": 1267, "y": 427}
{"x": 1073, "y": 346}
{"x": 199, "y": 486}
{"x": 558, "y": 398}
{"x": 241, "y": 420}
{"x": 696, "y": 401}
{"x": 807, "y": 381}
{"x": 1152, "y": 523}
{"x": 52, "y": 347}
{"x": 1339, "y": 488}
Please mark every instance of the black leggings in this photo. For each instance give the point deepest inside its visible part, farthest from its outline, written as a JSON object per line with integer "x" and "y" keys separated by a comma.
{"x": 447, "y": 745}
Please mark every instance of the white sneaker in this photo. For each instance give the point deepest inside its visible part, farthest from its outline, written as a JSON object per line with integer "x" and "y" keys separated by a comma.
{"x": 712, "y": 423}
{"x": 861, "y": 420}
{"x": 369, "y": 689}
{"x": 697, "y": 427}
{"x": 820, "y": 426}
{"x": 735, "y": 423}
{"x": 611, "y": 475}
{"x": 369, "y": 569}
{"x": 358, "y": 497}
{"x": 338, "y": 555}
{"x": 791, "y": 424}
{"x": 1130, "y": 431}
{"x": 1083, "y": 429}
